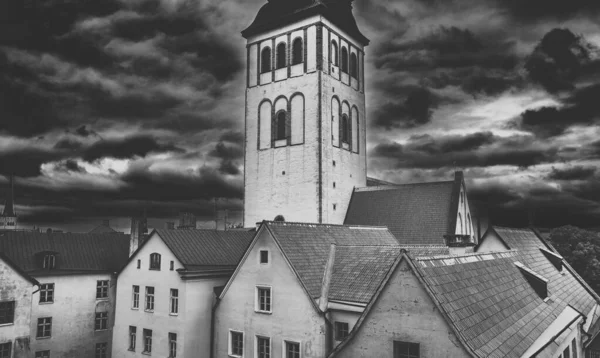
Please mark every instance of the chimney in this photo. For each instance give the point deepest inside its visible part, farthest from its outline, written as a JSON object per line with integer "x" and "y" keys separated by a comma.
{"x": 170, "y": 225}
{"x": 106, "y": 222}
{"x": 187, "y": 221}
{"x": 135, "y": 236}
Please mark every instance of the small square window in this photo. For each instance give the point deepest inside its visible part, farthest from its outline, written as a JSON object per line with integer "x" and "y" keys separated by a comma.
{"x": 263, "y": 299}
{"x": 5, "y": 350}
{"x": 341, "y": 330}
{"x": 264, "y": 256}
{"x": 7, "y": 312}
{"x": 406, "y": 350}
{"x": 42, "y": 354}
{"x": 47, "y": 293}
{"x": 44, "y": 327}
{"x": 236, "y": 343}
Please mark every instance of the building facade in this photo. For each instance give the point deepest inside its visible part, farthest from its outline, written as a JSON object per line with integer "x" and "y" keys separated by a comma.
{"x": 305, "y": 112}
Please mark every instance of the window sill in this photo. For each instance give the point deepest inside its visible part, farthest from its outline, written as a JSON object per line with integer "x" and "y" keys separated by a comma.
{"x": 149, "y": 311}
{"x": 46, "y": 303}
{"x": 264, "y": 312}
{"x": 101, "y": 330}
{"x": 135, "y": 308}
{"x": 131, "y": 350}
{"x": 43, "y": 337}
{"x": 234, "y": 356}
{"x": 154, "y": 269}
{"x": 102, "y": 298}
{"x": 147, "y": 353}
{"x": 174, "y": 314}
{"x": 7, "y": 324}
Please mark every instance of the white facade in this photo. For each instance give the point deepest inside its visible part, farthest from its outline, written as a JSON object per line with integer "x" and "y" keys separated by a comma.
{"x": 307, "y": 173}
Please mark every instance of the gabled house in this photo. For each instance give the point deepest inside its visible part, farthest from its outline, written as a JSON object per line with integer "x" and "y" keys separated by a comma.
{"x": 16, "y": 288}
{"x": 511, "y": 303}
{"x": 423, "y": 213}
{"x": 165, "y": 300}
{"x": 72, "y": 313}
{"x": 300, "y": 288}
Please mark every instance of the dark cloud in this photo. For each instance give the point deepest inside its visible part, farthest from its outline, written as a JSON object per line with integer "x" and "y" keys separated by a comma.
{"x": 572, "y": 173}
{"x": 83, "y": 131}
{"x": 229, "y": 167}
{"x": 227, "y": 152}
{"x": 233, "y": 137}
{"x": 414, "y": 111}
{"x": 68, "y": 144}
{"x": 26, "y": 162}
{"x": 535, "y": 10}
{"x": 126, "y": 148}
{"x": 456, "y": 143}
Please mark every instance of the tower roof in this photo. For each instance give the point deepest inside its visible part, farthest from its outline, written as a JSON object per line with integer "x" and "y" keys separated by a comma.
{"x": 276, "y": 13}
{"x": 9, "y": 205}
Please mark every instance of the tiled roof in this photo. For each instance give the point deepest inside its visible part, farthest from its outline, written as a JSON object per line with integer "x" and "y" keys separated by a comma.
{"x": 207, "y": 248}
{"x": 102, "y": 229}
{"x": 307, "y": 246}
{"x": 489, "y": 301}
{"x": 415, "y": 213}
{"x": 17, "y": 269}
{"x": 75, "y": 252}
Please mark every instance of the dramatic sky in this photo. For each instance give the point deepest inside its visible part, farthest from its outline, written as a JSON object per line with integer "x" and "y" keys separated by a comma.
{"x": 112, "y": 107}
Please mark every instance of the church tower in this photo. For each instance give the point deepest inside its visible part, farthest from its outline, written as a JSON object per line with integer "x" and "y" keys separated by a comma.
{"x": 8, "y": 219}
{"x": 305, "y": 111}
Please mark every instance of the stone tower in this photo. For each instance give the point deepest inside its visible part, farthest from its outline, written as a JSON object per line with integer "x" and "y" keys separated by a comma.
{"x": 305, "y": 111}
{"x": 8, "y": 219}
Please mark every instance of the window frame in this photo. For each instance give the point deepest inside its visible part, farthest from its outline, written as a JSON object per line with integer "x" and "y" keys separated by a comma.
{"x": 285, "y": 353}
{"x": 279, "y": 128}
{"x": 45, "y": 324}
{"x": 408, "y": 354}
{"x": 260, "y": 257}
{"x": 172, "y": 265}
{"x": 102, "y": 289}
{"x": 155, "y": 261}
{"x": 297, "y": 52}
{"x": 339, "y": 333}
{"x": 101, "y": 321}
{"x": 172, "y": 341}
{"x": 132, "y": 338}
{"x": 149, "y": 299}
{"x": 101, "y": 350}
{"x": 265, "y": 66}
{"x": 46, "y": 289}
{"x": 6, "y": 349}
{"x": 353, "y": 67}
{"x": 135, "y": 297}
{"x": 281, "y": 56}
{"x": 230, "y": 350}
{"x": 346, "y": 129}
{"x": 344, "y": 60}
{"x": 335, "y": 53}
{"x": 49, "y": 261}
{"x": 7, "y": 312}
{"x": 147, "y": 340}
{"x": 258, "y": 303}
{"x": 257, "y": 341}
{"x": 174, "y": 302}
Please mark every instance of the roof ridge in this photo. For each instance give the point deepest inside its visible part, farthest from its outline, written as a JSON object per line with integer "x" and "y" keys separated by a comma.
{"x": 528, "y": 229}
{"x": 397, "y": 186}
{"x": 306, "y": 224}
{"x": 495, "y": 255}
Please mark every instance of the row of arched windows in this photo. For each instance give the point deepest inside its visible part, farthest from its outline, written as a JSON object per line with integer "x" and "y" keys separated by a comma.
{"x": 345, "y": 125}
{"x": 281, "y": 123}
{"x": 281, "y": 55}
{"x": 352, "y": 66}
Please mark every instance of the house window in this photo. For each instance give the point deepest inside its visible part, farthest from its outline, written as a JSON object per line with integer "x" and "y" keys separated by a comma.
{"x": 264, "y": 256}
{"x": 346, "y": 130}
{"x": 101, "y": 321}
{"x": 265, "y": 60}
{"x": 132, "y": 337}
{"x": 147, "y": 341}
{"x": 149, "y": 299}
{"x": 353, "y": 66}
{"x": 5, "y": 350}
{"x": 139, "y": 264}
{"x": 135, "y": 300}
{"x": 7, "y": 312}
{"x": 297, "y": 54}
{"x": 344, "y": 60}
{"x": 263, "y": 347}
{"x": 574, "y": 347}
{"x": 102, "y": 289}
{"x": 334, "y": 53}
{"x": 49, "y": 261}
{"x": 101, "y": 349}
{"x": 174, "y": 309}
{"x": 172, "y": 345}
{"x": 44, "y": 327}
{"x": 280, "y": 126}
{"x": 341, "y": 330}
{"x": 42, "y": 354}
{"x": 155, "y": 261}
{"x": 47, "y": 293}
{"x": 281, "y": 55}
{"x": 263, "y": 299}
{"x": 406, "y": 350}
{"x": 172, "y": 265}
{"x": 236, "y": 343}
{"x": 292, "y": 349}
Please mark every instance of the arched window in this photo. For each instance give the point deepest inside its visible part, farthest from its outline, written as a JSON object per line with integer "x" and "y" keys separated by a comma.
{"x": 265, "y": 60}
{"x": 49, "y": 261}
{"x": 353, "y": 66}
{"x": 154, "y": 261}
{"x": 281, "y": 55}
{"x": 297, "y": 54}
{"x": 280, "y": 123}
{"x": 345, "y": 129}
{"x": 469, "y": 224}
{"x": 460, "y": 225}
{"x": 334, "y": 53}
{"x": 344, "y": 60}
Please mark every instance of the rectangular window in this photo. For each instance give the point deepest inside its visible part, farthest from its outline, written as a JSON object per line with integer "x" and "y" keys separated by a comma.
{"x": 406, "y": 350}
{"x": 7, "y": 312}
{"x": 132, "y": 337}
{"x": 264, "y": 256}
{"x": 292, "y": 349}
{"x": 42, "y": 354}
{"x": 135, "y": 299}
{"x": 172, "y": 345}
{"x": 149, "y": 298}
{"x": 341, "y": 330}
{"x": 155, "y": 261}
{"x": 101, "y": 349}
{"x": 263, "y": 347}
{"x": 574, "y": 348}
{"x": 5, "y": 350}
{"x": 236, "y": 343}
{"x": 139, "y": 264}
{"x": 147, "y": 341}
{"x": 263, "y": 299}
{"x": 174, "y": 309}
{"x": 47, "y": 293}
{"x": 101, "y": 321}
{"x": 44, "y": 327}
{"x": 172, "y": 266}
{"x": 102, "y": 289}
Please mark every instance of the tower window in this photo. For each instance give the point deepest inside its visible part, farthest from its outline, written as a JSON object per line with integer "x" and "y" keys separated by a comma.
{"x": 280, "y": 126}
{"x": 281, "y": 55}
{"x": 265, "y": 60}
{"x": 346, "y": 130}
{"x": 334, "y": 53}
{"x": 353, "y": 66}
{"x": 297, "y": 54}
{"x": 344, "y": 60}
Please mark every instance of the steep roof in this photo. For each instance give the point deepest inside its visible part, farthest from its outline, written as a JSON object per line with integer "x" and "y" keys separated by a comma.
{"x": 17, "y": 269}
{"x": 197, "y": 249}
{"x": 276, "y": 13}
{"x": 75, "y": 253}
{"x": 415, "y": 213}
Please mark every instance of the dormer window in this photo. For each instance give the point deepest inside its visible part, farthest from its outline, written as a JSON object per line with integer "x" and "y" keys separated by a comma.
{"x": 49, "y": 261}
{"x": 297, "y": 53}
{"x": 155, "y": 261}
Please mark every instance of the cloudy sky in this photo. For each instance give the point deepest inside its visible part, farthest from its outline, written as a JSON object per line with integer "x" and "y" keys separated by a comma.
{"x": 113, "y": 107}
